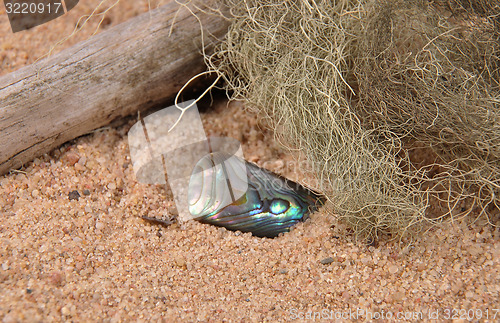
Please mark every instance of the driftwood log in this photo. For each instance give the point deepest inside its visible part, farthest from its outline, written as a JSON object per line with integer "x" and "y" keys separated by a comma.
{"x": 131, "y": 67}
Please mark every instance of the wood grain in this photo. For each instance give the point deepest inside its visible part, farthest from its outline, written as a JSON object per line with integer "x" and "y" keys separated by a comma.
{"x": 131, "y": 67}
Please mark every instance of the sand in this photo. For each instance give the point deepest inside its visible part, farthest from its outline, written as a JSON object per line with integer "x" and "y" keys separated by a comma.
{"x": 88, "y": 256}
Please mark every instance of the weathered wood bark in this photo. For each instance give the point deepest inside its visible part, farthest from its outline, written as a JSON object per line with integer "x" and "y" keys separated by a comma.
{"x": 131, "y": 67}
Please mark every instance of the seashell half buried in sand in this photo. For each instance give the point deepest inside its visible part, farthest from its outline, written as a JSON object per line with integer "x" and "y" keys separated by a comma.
{"x": 227, "y": 191}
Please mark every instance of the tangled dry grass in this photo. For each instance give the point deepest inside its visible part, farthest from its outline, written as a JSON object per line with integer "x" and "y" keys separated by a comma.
{"x": 362, "y": 87}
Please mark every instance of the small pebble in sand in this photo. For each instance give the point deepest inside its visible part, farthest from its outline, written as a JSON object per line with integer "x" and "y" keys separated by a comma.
{"x": 65, "y": 311}
{"x": 393, "y": 269}
{"x": 86, "y": 192}
{"x": 35, "y": 193}
{"x": 82, "y": 161}
{"x": 72, "y": 158}
{"x": 56, "y": 278}
{"x": 327, "y": 261}
{"x": 99, "y": 225}
{"x": 74, "y": 195}
{"x": 79, "y": 167}
{"x": 180, "y": 262}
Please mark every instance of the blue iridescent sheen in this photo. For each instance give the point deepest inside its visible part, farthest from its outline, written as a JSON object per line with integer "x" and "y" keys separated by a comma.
{"x": 270, "y": 206}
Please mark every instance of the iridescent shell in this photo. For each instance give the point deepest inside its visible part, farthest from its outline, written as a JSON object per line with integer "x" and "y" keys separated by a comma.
{"x": 227, "y": 191}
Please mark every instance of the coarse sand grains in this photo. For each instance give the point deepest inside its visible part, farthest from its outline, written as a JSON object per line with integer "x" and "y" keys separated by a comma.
{"x": 94, "y": 258}
{"x": 87, "y": 256}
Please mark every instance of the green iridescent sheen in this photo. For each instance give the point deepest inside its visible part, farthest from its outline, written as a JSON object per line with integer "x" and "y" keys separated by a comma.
{"x": 279, "y": 206}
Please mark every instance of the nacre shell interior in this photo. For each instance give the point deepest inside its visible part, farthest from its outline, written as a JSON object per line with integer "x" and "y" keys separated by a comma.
{"x": 227, "y": 191}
